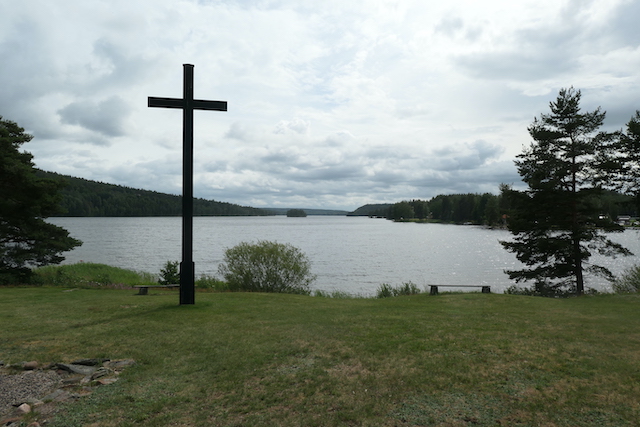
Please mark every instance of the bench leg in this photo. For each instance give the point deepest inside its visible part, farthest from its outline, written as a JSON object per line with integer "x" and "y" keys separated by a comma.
{"x": 433, "y": 290}
{"x": 143, "y": 291}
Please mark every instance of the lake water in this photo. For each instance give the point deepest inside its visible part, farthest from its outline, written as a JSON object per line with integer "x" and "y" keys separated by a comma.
{"x": 351, "y": 254}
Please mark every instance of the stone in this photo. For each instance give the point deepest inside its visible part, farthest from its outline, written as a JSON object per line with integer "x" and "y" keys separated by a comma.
{"x": 102, "y": 372}
{"x": 25, "y": 408}
{"x": 30, "y": 366}
{"x": 77, "y": 369}
{"x": 56, "y": 396}
{"x": 89, "y": 362}
{"x": 72, "y": 380}
{"x": 119, "y": 364}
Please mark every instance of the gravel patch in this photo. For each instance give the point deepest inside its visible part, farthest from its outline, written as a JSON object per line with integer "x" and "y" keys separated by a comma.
{"x": 25, "y": 386}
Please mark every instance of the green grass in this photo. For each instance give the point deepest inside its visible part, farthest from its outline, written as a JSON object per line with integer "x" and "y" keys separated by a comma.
{"x": 250, "y": 359}
{"x": 91, "y": 275}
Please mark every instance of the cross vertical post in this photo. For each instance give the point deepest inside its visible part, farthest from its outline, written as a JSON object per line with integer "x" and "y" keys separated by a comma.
{"x": 187, "y": 266}
{"x": 187, "y": 104}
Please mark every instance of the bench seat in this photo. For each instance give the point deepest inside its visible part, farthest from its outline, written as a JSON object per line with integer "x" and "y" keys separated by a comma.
{"x": 433, "y": 289}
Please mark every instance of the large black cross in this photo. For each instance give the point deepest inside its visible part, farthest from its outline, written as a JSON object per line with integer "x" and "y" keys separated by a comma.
{"x": 187, "y": 104}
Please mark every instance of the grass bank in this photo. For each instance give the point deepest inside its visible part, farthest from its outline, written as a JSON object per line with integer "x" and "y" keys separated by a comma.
{"x": 240, "y": 359}
{"x": 90, "y": 275}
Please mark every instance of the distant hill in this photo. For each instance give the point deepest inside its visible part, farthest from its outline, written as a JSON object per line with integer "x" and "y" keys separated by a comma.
{"x": 83, "y": 197}
{"x": 372, "y": 210}
{"x": 283, "y": 211}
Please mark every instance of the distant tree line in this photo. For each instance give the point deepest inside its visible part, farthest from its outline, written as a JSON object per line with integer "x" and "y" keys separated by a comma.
{"x": 300, "y": 213}
{"x": 82, "y": 197}
{"x": 488, "y": 209}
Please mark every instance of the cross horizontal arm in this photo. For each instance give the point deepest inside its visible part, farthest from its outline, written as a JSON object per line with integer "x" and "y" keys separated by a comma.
{"x": 196, "y": 104}
{"x": 199, "y": 104}
{"x": 165, "y": 102}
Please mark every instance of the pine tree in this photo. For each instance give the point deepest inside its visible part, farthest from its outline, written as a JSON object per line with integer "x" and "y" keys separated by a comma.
{"x": 627, "y": 163}
{"x": 556, "y": 223}
{"x": 26, "y": 239}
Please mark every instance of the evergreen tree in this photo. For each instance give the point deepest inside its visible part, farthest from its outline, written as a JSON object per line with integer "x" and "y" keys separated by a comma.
{"x": 556, "y": 223}
{"x": 26, "y": 239}
{"x": 628, "y": 161}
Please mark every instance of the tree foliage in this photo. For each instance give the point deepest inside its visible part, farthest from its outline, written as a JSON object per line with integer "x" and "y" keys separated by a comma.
{"x": 379, "y": 210}
{"x": 82, "y": 197}
{"x": 170, "y": 273}
{"x": 26, "y": 239}
{"x": 296, "y": 213}
{"x": 557, "y": 223}
{"x": 482, "y": 209}
{"x": 267, "y": 267}
{"x": 456, "y": 208}
{"x": 625, "y": 166}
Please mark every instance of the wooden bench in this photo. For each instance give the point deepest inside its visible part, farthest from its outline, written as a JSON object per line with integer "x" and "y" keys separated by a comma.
{"x": 433, "y": 289}
{"x": 144, "y": 289}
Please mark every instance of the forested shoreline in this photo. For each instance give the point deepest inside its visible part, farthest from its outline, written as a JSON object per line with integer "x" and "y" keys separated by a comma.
{"x": 86, "y": 198}
{"x": 487, "y": 209}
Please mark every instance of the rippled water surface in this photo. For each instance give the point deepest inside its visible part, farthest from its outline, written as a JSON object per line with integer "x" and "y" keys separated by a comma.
{"x": 351, "y": 254}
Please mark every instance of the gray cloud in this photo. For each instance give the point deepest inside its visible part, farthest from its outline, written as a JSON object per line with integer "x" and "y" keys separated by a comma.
{"x": 334, "y": 105}
{"x": 468, "y": 157}
{"x": 517, "y": 65}
{"x": 239, "y": 131}
{"x": 106, "y": 117}
{"x": 623, "y": 27}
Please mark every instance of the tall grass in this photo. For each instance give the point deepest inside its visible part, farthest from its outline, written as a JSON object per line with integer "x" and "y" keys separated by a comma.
{"x": 629, "y": 282}
{"x": 335, "y": 294}
{"x": 90, "y": 275}
{"x": 212, "y": 284}
{"x": 385, "y": 290}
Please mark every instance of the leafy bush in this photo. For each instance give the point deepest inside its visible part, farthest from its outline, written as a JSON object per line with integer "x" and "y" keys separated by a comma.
{"x": 212, "y": 284}
{"x": 267, "y": 267}
{"x": 15, "y": 276}
{"x": 408, "y": 288}
{"x": 170, "y": 274}
{"x": 540, "y": 289}
{"x": 385, "y": 290}
{"x": 629, "y": 282}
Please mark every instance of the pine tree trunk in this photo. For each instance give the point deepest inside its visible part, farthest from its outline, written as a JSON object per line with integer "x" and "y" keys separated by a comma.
{"x": 577, "y": 257}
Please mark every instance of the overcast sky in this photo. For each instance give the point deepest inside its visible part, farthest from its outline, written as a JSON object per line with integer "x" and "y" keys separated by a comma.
{"x": 332, "y": 103}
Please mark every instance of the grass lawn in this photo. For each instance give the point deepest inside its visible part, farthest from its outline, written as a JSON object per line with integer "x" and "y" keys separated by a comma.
{"x": 243, "y": 359}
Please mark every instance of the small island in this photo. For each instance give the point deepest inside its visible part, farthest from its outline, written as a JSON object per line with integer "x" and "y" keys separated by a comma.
{"x": 298, "y": 213}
